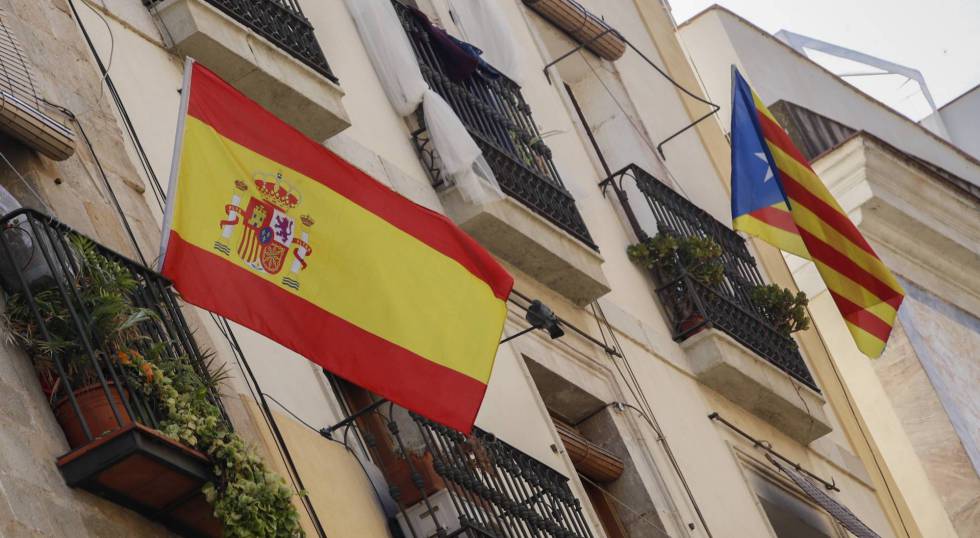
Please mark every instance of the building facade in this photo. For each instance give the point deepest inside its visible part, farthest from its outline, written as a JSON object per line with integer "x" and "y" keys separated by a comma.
{"x": 896, "y": 180}
{"x": 669, "y": 406}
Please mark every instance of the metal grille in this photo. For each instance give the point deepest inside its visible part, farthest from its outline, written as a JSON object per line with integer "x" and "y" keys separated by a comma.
{"x": 15, "y": 76}
{"x": 496, "y": 490}
{"x": 689, "y": 304}
{"x": 39, "y": 262}
{"x": 494, "y": 112}
{"x": 280, "y": 21}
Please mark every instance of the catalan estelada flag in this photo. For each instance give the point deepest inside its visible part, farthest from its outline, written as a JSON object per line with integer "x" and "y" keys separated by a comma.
{"x": 777, "y": 197}
{"x": 275, "y": 232}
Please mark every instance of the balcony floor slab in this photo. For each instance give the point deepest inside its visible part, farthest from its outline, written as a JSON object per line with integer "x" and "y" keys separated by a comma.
{"x": 727, "y": 367}
{"x": 271, "y": 77}
{"x": 533, "y": 245}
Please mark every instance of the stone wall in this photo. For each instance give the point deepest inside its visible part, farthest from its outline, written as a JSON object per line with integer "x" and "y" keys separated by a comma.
{"x": 931, "y": 374}
{"x": 34, "y": 500}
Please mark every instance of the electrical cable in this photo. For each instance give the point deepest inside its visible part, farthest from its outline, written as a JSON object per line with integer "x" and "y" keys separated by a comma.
{"x": 294, "y": 415}
{"x": 160, "y": 196}
{"x": 293, "y": 471}
{"x": 112, "y": 52}
{"x": 639, "y": 515}
{"x": 105, "y": 179}
{"x": 26, "y": 183}
{"x": 344, "y": 443}
{"x": 643, "y": 137}
{"x": 130, "y": 130}
{"x": 648, "y": 414}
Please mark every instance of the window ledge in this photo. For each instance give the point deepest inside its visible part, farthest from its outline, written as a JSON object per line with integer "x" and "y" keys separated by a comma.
{"x": 724, "y": 365}
{"x": 531, "y": 244}
{"x": 292, "y": 91}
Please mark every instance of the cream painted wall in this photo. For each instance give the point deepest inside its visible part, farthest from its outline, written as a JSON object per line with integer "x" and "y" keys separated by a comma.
{"x": 378, "y": 142}
{"x": 905, "y": 469}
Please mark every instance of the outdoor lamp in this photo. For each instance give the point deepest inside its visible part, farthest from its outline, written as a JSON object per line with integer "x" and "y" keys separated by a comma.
{"x": 541, "y": 317}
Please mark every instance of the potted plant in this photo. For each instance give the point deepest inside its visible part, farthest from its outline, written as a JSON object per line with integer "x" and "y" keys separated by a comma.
{"x": 670, "y": 257}
{"x": 784, "y": 310}
{"x": 246, "y": 497}
{"x": 101, "y": 290}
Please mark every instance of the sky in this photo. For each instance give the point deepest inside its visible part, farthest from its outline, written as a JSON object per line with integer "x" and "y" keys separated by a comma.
{"x": 940, "y": 38}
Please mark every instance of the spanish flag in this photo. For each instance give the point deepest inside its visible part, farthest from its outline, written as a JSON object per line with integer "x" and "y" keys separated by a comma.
{"x": 273, "y": 231}
{"x": 777, "y": 197}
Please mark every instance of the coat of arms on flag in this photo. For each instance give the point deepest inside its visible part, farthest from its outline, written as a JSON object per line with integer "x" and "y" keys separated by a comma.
{"x": 266, "y": 232}
{"x": 405, "y": 305}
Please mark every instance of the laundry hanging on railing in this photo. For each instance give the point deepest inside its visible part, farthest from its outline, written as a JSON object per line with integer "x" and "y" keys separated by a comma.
{"x": 397, "y": 68}
{"x": 484, "y": 25}
{"x": 460, "y": 61}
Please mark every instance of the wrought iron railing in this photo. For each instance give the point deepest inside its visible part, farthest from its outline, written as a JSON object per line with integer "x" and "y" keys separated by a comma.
{"x": 281, "y": 22}
{"x": 50, "y": 291}
{"x": 495, "y": 113}
{"x": 691, "y": 305}
{"x": 496, "y": 490}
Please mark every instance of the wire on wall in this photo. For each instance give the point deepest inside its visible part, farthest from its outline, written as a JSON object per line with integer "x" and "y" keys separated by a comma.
{"x": 633, "y": 384}
{"x": 226, "y": 330}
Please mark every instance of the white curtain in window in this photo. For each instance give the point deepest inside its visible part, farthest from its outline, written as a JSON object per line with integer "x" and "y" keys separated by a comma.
{"x": 398, "y": 70}
{"x": 484, "y": 24}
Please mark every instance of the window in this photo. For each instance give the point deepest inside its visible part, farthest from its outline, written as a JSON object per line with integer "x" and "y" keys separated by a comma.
{"x": 789, "y": 514}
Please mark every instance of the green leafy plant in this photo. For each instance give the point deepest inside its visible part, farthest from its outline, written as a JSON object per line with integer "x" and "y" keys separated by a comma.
{"x": 247, "y": 498}
{"x": 783, "y": 309}
{"x": 670, "y": 255}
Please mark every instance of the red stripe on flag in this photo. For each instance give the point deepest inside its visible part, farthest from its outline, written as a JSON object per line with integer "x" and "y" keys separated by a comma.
{"x": 800, "y": 194}
{"x": 837, "y": 220}
{"x": 235, "y": 117}
{"x": 775, "y": 217}
{"x": 451, "y": 398}
{"x": 871, "y": 323}
{"x": 823, "y": 252}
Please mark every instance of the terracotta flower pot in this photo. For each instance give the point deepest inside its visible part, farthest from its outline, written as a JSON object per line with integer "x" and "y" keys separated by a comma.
{"x": 94, "y": 406}
{"x": 692, "y": 325}
{"x": 400, "y": 476}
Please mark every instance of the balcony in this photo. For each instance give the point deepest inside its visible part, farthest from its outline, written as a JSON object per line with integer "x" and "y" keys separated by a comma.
{"x": 731, "y": 348}
{"x": 449, "y": 484}
{"x": 267, "y": 49}
{"x": 551, "y": 242}
{"x": 59, "y": 309}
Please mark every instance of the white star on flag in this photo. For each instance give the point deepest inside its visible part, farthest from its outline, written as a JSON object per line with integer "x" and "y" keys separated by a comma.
{"x": 762, "y": 157}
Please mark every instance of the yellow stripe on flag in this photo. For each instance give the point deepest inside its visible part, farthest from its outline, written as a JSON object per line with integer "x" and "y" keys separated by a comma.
{"x": 810, "y": 222}
{"x": 855, "y": 293}
{"x": 358, "y": 259}
{"x": 868, "y": 343}
{"x": 777, "y": 237}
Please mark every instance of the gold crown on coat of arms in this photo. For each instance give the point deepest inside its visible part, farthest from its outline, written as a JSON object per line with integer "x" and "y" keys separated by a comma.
{"x": 276, "y": 192}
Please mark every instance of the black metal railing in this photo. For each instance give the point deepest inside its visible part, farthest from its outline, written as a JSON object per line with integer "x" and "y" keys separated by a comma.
{"x": 691, "y": 305}
{"x": 60, "y": 301}
{"x": 498, "y": 118}
{"x": 281, "y": 22}
{"x": 495, "y": 490}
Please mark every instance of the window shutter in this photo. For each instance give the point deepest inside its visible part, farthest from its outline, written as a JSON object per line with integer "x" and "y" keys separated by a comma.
{"x": 20, "y": 105}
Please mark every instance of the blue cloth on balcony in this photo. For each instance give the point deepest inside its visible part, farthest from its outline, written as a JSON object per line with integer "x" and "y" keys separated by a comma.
{"x": 485, "y": 68}
{"x": 458, "y": 63}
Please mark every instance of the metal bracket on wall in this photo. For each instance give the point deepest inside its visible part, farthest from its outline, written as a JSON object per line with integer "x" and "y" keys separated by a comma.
{"x": 660, "y": 145}
{"x": 767, "y": 446}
